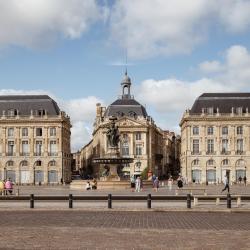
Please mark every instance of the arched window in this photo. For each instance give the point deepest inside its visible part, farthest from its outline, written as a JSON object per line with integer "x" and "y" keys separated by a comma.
{"x": 210, "y": 162}
{"x": 38, "y": 163}
{"x": 225, "y": 162}
{"x": 196, "y": 162}
{"x": 52, "y": 163}
{"x": 10, "y": 163}
{"x": 24, "y": 163}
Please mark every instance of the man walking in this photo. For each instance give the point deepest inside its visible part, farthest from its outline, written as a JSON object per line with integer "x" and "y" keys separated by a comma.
{"x": 226, "y": 183}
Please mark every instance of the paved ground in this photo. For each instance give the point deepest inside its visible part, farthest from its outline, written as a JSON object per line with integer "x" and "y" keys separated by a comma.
{"x": 123, "y": 230}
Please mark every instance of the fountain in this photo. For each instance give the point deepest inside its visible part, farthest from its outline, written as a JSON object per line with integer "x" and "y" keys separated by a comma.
{"x": 112, "y": 159}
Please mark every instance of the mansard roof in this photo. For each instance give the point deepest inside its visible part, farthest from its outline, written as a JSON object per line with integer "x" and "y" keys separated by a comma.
{"x": 224, "y": 102}
{"x": 25, "y": 103}
{"x": 126, "y": 107}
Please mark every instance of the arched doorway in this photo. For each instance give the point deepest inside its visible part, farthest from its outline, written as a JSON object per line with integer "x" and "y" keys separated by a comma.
{"x": 210, "y": 171}
{"x": 38, "y": 173}
{"x": 240, "y": 169}
{"x": 25, "y": 175}
{"x": 196, "y": 171}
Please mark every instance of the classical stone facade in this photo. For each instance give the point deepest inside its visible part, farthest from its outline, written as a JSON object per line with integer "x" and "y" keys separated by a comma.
{"x": 140, "y": 138}
{"x": 215, "y": 136}
{"x": 34, "y": 140}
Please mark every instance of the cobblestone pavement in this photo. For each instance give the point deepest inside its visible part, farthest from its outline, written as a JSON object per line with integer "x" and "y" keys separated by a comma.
{"x": 123, "y": 230}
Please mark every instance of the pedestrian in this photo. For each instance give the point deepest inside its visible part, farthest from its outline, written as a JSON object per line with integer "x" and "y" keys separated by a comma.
{"x": 179, "y": 182}
{"x": 156, "y": 184}
{"x": 153, "y": 180}
{"x": 245, "y": 180}
{"x": 240, "y": 179}
{"x": 226, "y": 183}
{"x": 9, "y": 186}
{"x": 1, "y": 187}
{"x": 94, "y": 184}
{"x": 170, "y": 182}
{"x": 132, "y": 183}
{"x": 137, "y": 184}
{"x": 88, "y": 186}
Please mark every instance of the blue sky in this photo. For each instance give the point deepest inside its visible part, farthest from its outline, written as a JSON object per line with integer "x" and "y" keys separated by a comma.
{"x": 76, "y": 50}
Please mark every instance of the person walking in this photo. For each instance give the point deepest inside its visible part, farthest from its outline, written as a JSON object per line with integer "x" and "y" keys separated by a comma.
{"x": 245, "y": 180}
{"x": 240, "y": 179}
{"x": 137, "y": 184}
{"x": 88, "y": 186}
{"x": 132, "y": 183}
{"x": 9, "y": 186}
{"x": 179, "y": 182}
{"x": 156, "y": 184}
{"x": 226, "y": 183}
{"x": 170, "y": 183}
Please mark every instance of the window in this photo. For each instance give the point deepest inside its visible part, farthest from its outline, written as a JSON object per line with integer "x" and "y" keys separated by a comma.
{"x": 210, "y": 110}
{"x": 210, "y": 162}
{"x": 12, "y": 112}
{"x": 24, "y": 163}
{"x": 40, "y": 112}
{"x": 225, "y": 130}
{"x": 224, "y": 145}
{"x": 240, "y": 130}
{"x": 25, "y": 132}
{"x": 52, "y": 131}
{"x": 138, "y": 136}
{"x": 38, "y": 163}
{"x": 10, "y": 132}
{"x": 53, "y": 147}
{"x": 138, "y": 149}
{"x": 138, "y": 166}
{"x": 10, "y": 163}
{"x": 39, "y": 131}
{"x": 52, "y": 163}
{"x": 225, "y": 162}
{"x": 239, "y": 111}
{"x": 196, "y": 162}
{"x": 10, "y": 148}
{"x": 25, "y": 147}
{"x": 210, "y": 146}
{"x": 195, "y": 130}
{"x": 195, "y": 146}
{"x": 210, "y": 130}
{"x": 125, "y": 149}
{"x": 38, "y": 148}
{"x": 240, "y": 145}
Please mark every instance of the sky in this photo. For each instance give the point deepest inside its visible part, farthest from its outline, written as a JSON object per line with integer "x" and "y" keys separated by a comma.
{"x": 76, "y": 52}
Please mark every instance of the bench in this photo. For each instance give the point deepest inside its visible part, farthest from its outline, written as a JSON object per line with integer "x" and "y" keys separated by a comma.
{"x": 191, "y": 190}
{"x": 14, "y": 191}
{"x": 218, "y": 198}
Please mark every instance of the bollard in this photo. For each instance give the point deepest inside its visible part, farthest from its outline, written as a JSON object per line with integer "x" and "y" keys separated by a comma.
{"x": 188, "y": 200}
{"x": 149, "y": 201}
{"x": 70, "y": 201}
{"x": 229, "y": 201}
{"x": 110, "y": 201}
{"x": 32, "y": 201}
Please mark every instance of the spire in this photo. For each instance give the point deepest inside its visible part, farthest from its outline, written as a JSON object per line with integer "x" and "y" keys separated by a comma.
{"x": 126, "y": 84}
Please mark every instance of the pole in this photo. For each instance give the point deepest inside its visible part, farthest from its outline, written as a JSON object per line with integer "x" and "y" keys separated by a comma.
{"x": 188, "y": 200}
{"x": 110, "y": 201}
{"x": 149, "y": 201}
{"x": 32, "y": 201}
{"x": 229, "y": 201}
{"x": 70, "y": 201}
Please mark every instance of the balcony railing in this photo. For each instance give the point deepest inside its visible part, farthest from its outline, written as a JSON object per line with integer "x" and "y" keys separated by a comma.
{"x": 53, "y": 154}
{"x": 24, "y": 154}
{"x": 224, "y": 152}
{"x": 240, "y": 152}
{"x": 10, "y": 154}
{"x": 38, "y": 154}
{"x": 195, "y": 153}
{"x": 210, "y": 152}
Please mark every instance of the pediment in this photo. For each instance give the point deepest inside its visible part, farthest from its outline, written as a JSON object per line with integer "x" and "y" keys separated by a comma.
{"x": 127, "y": 122}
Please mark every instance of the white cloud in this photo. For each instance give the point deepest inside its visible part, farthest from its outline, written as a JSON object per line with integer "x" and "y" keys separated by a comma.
{"x": 169, "y": 98}
{"x": 164, "y": 27}
{"x": 32, "y": 24}
{"x": 81, "y": 112}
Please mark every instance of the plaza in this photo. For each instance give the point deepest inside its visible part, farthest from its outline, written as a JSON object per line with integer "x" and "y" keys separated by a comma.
{"x": 123, "y": 230}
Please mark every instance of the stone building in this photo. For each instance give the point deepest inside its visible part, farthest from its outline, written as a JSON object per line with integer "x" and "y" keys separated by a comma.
{"x": 34, "y": 140}
{"x": 140, "y": 138}
{"x": 215, "y": 136}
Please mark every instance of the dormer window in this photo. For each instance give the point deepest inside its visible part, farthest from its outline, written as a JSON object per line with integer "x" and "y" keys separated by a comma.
{"x": 239, "y": 111}
{"x": 40, "y": 112}
{"x": 12, "y": 112}
{"x": 210, "y": 110}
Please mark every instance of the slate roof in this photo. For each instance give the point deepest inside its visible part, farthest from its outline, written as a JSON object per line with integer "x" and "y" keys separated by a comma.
{"x": 223, "y": 101}
{"x": 126, "y": 107}
{"x": 25, "y": 103}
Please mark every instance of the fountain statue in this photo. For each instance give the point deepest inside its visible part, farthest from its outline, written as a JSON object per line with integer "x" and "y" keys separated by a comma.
{"x": 112, "y": 159}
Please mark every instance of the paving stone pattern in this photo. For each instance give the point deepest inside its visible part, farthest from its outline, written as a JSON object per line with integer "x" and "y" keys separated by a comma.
{"x": 123, "y": 230}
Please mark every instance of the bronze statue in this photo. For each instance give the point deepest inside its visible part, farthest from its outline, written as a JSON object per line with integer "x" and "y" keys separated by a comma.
{"x": 113, "y": 134}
